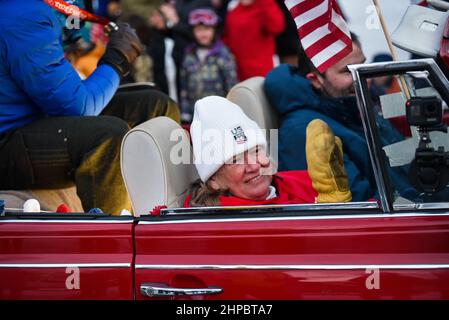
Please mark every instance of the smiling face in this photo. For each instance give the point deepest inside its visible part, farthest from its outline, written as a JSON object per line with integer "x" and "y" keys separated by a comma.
{"x": 337, "y": 81}
{"x": 248, "y": 176}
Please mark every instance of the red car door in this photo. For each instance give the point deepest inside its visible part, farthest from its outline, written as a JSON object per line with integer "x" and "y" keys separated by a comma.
{"x": 351, "y": 251}
{"x": 66, "y": 257}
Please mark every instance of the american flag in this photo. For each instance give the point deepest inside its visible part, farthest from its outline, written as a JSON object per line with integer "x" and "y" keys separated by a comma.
{"x": 322, "y": 31}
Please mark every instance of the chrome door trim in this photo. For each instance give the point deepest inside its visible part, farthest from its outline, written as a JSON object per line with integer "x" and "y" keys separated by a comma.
{"x": 293, "y": 267}
{"x": 65, "y": 265}
{"x": 65, "y": 221}
{"x": 323, "y": 217}
{"x": 421, "y": 206}
{"x": 286, "y": 207}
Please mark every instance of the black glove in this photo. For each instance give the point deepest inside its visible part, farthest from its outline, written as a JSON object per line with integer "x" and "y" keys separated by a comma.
{"x": 123, "y": 48}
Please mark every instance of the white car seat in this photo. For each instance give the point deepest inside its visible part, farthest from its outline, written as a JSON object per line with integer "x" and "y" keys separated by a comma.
{"x": 151, "y": 165}
{"x": 250, "y": 96}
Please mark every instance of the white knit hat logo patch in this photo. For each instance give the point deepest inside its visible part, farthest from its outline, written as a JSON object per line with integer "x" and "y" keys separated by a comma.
{"x": 239, "y": 135}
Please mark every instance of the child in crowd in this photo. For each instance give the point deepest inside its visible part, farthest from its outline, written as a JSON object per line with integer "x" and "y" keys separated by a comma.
{"x": 208, "y": 67}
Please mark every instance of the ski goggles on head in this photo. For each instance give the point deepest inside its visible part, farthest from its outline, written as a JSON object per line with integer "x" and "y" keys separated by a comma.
{"x": 206, "y": 17}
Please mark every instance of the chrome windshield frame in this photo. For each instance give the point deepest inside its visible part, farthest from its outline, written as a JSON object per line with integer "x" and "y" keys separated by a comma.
{"x": 360, "y": 72}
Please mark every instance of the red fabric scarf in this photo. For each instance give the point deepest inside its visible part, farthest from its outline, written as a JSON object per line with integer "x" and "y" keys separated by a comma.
{"x": 292, "y": 187}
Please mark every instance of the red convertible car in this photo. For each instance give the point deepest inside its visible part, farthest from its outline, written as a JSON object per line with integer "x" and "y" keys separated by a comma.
{"x": 394, "y": 248}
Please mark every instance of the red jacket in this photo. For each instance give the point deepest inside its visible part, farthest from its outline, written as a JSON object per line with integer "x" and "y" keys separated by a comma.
{"x": 250, "y": 33}
{"x": 292, "y": 187}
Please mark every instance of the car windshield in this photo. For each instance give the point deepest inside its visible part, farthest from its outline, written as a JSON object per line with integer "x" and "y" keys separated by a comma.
{"x": 416, "y": 162}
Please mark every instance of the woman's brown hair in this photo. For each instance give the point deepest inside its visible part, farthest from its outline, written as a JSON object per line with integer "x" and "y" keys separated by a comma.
{"x": 203, "y": 195}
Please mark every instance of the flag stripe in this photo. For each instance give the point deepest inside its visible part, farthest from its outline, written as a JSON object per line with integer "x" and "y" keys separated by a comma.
{"x": 322, "y": 30}
{"x": 291, "y": 3}
{"x": 305, "y": 6}
{"x": 327, "y": 54}
{"x": 321, "y": 45}
{"x": 315, "y": 36}
{"x": 308, "y": 28}
{"x": 312, "y": 14}
{"x": 340, "y": 23}
{"x": 329, "y": 63}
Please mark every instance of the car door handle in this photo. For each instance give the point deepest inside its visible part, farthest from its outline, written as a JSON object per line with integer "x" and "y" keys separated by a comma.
{"x": 163, "y": 290}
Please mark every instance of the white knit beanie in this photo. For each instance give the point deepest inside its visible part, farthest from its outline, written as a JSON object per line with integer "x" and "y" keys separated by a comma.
{"x": 221, "y": 130}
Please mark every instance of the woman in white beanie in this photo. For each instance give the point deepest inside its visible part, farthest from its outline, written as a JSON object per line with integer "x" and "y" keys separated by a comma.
{"x": 230, "y": 156}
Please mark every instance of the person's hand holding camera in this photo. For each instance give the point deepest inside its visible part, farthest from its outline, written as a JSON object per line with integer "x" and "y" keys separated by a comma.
{"x": 122, "y": 50}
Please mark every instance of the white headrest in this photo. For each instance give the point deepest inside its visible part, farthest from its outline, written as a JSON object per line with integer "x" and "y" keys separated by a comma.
{"x": 250, "y": 96}
{"x": 152, "y": 178}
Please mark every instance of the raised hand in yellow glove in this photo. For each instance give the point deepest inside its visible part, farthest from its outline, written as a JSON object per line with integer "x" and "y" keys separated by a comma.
{"x": 324, "y": 153}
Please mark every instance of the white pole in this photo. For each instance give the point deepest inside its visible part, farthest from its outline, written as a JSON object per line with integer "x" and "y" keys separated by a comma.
{"x": 393, "y": 52}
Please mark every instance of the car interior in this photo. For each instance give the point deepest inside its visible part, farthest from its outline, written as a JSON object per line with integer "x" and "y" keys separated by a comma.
{"x": 153, "y": 180}
{"x": 164, "y": 183}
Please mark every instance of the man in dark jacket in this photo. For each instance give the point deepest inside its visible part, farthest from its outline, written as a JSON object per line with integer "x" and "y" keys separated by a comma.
{"x": 304, "y": 94}
{"x": 51, "y": 134}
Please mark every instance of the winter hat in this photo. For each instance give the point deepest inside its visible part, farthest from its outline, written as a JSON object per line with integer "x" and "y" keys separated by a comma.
{"x": 221, "y": 130}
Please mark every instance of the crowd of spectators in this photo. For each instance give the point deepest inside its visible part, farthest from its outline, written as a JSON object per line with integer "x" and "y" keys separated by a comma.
{"x": 250, "y": 38}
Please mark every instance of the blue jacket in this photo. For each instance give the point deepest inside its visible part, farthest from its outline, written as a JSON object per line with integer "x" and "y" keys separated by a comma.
{"x": 36, "y": 80}
{"x": 298, "y": 104}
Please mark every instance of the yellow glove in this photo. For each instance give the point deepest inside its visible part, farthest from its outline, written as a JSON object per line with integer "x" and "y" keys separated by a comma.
{"x": 324, "y": 153}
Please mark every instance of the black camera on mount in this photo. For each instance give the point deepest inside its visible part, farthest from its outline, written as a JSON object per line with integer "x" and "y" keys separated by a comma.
{"x": 424, "y": 112}
{"x": 429, "y": 171}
